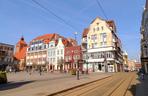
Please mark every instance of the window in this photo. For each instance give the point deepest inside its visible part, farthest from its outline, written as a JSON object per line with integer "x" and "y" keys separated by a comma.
{"x": 44, "y": 46}
{"x": 103, "y": 38}
{"x": 95, "y": 45}
{"x": 93, "y": 29}
{"x": 57, "y": 52}
{"x": 92, "y": 45}
{"x": 28, "y": 49}
{"x": 54, "y": 52}
{"x": 61, "y": 51}
{"x": 97, "y": 28}
{"x": 94, "y": 37}
{"x": 102, "y": 28}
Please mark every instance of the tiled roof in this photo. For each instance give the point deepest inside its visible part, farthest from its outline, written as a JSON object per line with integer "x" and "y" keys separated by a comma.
{"x": 21, "y": 54}
{"x": 85, "y": 32}
{"x": 111, "y": 23}
{"x": 49, "y": 37}
{"x": 21, "y": 41}
{"x": 95, "y": 19}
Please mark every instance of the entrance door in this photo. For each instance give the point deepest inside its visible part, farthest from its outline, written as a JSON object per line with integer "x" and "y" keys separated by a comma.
{"x": 99, "y": 67}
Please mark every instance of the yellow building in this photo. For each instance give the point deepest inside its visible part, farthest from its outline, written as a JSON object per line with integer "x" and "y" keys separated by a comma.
{"x": 131, "y": 65}
{"x": 125, "y": 61}
{"x": 102, "y": 47}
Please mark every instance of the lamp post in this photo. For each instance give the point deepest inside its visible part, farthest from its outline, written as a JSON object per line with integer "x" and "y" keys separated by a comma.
{"x": 77, "y": 73}
{"x": 78, "y": 70}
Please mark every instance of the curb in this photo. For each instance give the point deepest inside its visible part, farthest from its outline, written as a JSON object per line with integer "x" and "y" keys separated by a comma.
{"x": 55, "y": 93}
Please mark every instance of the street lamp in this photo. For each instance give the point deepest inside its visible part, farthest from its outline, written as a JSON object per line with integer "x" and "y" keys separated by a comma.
{"x": 78, "y": 70}
{"x": 77, "y": 73}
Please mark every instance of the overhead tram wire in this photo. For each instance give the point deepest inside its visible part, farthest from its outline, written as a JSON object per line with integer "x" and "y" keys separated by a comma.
{"x": 51, "y": 12}
{"x": 99, "y": 5}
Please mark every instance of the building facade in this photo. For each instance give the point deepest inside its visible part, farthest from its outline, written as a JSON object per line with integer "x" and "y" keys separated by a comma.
{"x": 20, "y": 54}
{"x": 46, "y": 51}
{"x": 131, "y": 65}
{"x": 6, "y": 55}
{"x": 37, "y": 51}
{"x": 102, "y": 47}
{"x": 144, "y": 38}
{"x": 72, "y": 57}
{"x": 56, "y": 55}
{"x": 125, "y": 61}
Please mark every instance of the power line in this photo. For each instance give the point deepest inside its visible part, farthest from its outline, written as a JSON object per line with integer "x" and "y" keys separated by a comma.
{"x": 99, "y": 5}
{"x": 51, "y": 12}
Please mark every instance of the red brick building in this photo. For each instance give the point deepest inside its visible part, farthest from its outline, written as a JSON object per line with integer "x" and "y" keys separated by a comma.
{"x": 72, "y": 56}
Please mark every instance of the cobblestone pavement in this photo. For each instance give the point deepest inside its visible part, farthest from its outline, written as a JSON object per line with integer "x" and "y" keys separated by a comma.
{"x": 142, "y": 86}
{"x": 116, "y": 85}
{"x": 23, "y": 84}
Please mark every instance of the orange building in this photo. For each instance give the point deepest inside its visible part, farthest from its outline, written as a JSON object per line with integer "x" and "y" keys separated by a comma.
{"x": 20, "y": 53}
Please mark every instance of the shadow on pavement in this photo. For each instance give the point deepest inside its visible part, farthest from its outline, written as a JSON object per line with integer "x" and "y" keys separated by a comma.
{"x": 139, "y": 88}
{"x": 12, "y": 85}
{"x": 133, "y": 90}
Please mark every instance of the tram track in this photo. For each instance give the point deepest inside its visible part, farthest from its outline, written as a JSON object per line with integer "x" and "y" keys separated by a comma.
{"x": 110, "y": 86}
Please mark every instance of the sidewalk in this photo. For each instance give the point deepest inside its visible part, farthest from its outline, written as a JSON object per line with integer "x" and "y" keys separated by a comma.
{"x": 142, "y": 87}
{"x": 49, "y": 86}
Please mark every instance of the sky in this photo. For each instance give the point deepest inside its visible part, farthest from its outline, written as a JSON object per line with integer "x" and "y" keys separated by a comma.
{"x": 25, "y": 18}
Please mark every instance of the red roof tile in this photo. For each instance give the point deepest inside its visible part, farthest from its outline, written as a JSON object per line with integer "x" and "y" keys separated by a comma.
{"x": 111, "y": 23}
{"x": 85, "y": 32}
{"x": 21, "y": 42}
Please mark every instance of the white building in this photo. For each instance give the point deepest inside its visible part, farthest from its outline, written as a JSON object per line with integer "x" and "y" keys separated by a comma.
{"x": 102, "y": 47}
{"x": 55, "y": 54}
{"x": 47, "y": 51}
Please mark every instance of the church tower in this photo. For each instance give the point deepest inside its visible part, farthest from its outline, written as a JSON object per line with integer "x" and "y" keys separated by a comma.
{"x": 20, "y": 45}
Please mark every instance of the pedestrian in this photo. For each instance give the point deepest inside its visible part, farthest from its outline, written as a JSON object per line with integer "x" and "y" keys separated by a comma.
{"x": 15, "y": 71}
{"x": 40, "y": 70}
{"x": 141, "y": 74}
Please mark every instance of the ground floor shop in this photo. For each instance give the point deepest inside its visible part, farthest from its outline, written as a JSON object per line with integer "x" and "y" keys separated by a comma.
{"x": 102, "y": 67}
{"x": 144, "y": 62}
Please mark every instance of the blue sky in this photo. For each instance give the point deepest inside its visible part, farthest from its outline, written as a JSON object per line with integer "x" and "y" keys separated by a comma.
{"x": 24, "y": 17}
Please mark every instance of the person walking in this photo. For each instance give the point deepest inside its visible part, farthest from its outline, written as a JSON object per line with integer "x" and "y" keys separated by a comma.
{"x": 40, "y": 70}
{"x": 141, "y": 74}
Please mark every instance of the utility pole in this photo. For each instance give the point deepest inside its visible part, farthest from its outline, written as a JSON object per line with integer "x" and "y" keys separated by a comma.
{"x": 77, "y": 60}
{"x": 76, "y": 33}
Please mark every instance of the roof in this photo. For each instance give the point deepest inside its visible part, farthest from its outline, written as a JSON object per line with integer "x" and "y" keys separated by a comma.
{"x": 46, "y": 38}
{"x": 95, "y": 19}
{"x": 21, "y": 42}
{"x": 85, "y": 32}
{"x": 111, "y": 23}
{"x": 73, "y": 47}
{"x": 21, "y": 54}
